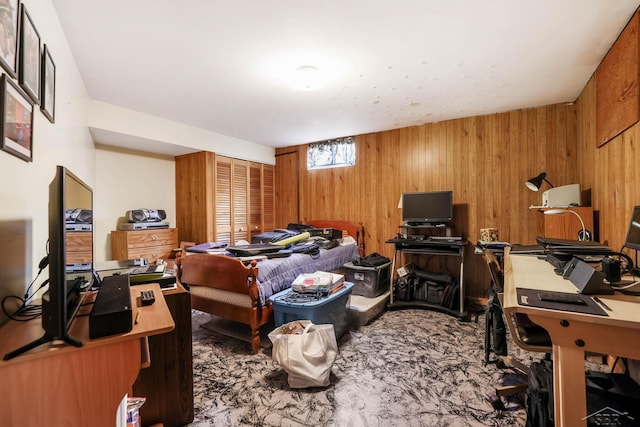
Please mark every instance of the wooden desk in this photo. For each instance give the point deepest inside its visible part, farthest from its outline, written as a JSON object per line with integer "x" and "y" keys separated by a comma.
{"x": 572, "y": 334}
{"x": 57, "y": 384}
{"x": 168, "y": 382}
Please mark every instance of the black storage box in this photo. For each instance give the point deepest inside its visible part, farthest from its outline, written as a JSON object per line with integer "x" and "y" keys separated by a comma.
{"x": 368, "y": 282}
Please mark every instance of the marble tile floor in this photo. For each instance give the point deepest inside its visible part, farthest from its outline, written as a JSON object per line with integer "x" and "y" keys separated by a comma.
{"x": 406, "y": 368}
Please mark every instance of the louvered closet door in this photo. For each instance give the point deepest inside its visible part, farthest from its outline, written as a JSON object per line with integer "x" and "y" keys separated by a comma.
{"x": 240, "y": 194}
{"x": 222, "y": 200}
{"x": 255, "y": 199}
{"x": 268, "y": 198}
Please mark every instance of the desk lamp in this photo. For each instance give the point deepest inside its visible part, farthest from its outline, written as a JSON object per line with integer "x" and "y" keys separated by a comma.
{"x": 535, "y": 183}
{"x": 582, "y": 235}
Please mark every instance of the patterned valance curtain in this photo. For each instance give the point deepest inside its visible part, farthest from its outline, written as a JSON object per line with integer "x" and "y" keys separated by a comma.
{"x": 331, "y": 153}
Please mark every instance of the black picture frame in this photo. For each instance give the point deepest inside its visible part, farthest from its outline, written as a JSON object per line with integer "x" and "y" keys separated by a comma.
{"x": 29, "y": 68}
{"x": 9, "y": 26}
{"x": 48, "y": 85}
{"x": 16, "y": 120}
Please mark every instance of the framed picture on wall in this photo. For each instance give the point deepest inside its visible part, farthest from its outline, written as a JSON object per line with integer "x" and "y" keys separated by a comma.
{"x": 9, "y": 18}
{"x": 16, "y": 124}
{"x": 48, "y": 91}
{"x": 29, "y": 69}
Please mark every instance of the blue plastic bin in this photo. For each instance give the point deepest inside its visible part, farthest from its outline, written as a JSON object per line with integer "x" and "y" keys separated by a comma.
{"x": 333, "y": 308}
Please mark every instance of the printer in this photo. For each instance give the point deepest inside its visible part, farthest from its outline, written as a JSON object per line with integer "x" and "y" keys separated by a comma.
{"x": 561, "y": 197}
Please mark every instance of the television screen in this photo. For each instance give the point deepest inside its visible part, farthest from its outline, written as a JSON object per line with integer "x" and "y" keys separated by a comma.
{"x": 427, "y": 207}
{"x": 70, "y": 250}
{"x": 70, "y": 257}
{"x": 633, "y": 234}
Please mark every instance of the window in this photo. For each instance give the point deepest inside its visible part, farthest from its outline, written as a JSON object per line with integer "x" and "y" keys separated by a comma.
{"x": 332, "y": 153}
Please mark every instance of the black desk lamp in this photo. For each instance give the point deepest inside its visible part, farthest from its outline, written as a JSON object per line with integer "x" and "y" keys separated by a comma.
{"x": 535, "y": 183}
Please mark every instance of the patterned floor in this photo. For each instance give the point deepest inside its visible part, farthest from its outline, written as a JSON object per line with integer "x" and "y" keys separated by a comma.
{"x": 406, "y": 368}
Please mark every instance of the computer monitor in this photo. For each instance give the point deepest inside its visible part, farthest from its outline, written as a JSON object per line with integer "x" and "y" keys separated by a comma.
{"x": 632, "y": 240}
{"x": 433, "y": 207}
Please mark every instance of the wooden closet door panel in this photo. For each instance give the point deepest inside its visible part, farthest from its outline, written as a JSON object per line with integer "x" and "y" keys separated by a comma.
{"x": 222, "y": 200}
{"x": 240, "y": 196}
{"x": 268, "y": 198}
{"x": 286, "y": 189}
{"x": 256, "y": 224}
{"x": 195, "y": 197}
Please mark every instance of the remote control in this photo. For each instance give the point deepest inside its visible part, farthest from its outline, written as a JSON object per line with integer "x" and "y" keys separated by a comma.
{"x": 147, "y": 297}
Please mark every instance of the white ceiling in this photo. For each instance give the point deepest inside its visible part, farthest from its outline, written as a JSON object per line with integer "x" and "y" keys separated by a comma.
{"x": 227, "y": 66}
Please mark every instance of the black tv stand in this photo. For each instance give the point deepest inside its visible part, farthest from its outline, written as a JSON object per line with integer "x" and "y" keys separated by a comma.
{"x": 42, "y": 340}
{"x": 427, "y": 245}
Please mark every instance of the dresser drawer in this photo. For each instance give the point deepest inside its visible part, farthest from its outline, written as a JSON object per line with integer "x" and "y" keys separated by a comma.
{"x": 79, "y": 249}
{"x": 151, "y": 253}
{"x": 150, "y": 244}
{"x": 146, "y": 238}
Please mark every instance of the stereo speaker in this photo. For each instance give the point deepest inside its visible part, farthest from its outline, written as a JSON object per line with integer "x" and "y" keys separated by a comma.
{"x": 146, "y": 215}
{"x": 588, "y": 280}
{"x": 82, "y": 216}
{"x": 112, "y": 312}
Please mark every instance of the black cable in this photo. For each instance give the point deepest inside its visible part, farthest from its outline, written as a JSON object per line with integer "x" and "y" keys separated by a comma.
{"x": 26, "y": 311}
{"x": 629, "y": 266}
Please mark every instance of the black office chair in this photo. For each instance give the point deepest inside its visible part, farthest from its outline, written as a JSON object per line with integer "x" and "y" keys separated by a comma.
{"x": 526, "y": 334}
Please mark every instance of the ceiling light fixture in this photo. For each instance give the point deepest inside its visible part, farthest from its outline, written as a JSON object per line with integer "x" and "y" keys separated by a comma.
{"x": 307, "y": 77}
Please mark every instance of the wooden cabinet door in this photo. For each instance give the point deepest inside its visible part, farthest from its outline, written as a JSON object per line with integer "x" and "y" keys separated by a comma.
{"x": 268, "y": 198}
{"x": 256, "y": 214}
{"x": 195, "y": 197}
{"x": 240, "y": 192}
{"x": 286, "y": 189}
{"x": 222, "y": 200}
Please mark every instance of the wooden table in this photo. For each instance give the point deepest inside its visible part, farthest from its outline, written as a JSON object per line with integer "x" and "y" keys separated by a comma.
{"x": 572, "y": 334}
{"x": 58, "y": 384}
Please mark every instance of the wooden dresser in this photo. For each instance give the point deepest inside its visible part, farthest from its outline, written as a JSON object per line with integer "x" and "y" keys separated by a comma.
{"x": 149, "y": 244}
{"x": 79, "y": 248}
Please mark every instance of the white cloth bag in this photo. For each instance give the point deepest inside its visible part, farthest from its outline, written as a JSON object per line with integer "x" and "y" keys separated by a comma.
{"x": 307, "y": 357}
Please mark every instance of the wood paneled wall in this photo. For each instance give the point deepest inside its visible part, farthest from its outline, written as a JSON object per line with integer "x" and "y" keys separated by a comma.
{"x": 612, "y": 171}
{"x": 485, "y": 160}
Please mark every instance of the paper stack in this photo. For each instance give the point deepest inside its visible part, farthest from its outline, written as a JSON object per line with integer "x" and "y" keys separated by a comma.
{"x": 318, "y": 282}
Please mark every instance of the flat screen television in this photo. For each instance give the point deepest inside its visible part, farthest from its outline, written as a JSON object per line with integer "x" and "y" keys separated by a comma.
{"x": 70, "y": 257}
{"x": 632, "y": 240}
{"x": 433, "y": 207}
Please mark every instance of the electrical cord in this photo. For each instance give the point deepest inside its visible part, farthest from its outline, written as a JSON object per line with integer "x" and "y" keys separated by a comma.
{"x": 27, "y": 311}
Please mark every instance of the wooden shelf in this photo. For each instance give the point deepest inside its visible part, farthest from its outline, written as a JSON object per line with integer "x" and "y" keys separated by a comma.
{"x": 567, "y": 225}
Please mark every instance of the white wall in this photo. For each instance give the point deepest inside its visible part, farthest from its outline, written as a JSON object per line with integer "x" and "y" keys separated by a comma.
{"x": 24, "y": 189}
{"x": 127, "y": 180}
{"x": 122, "y": 179}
